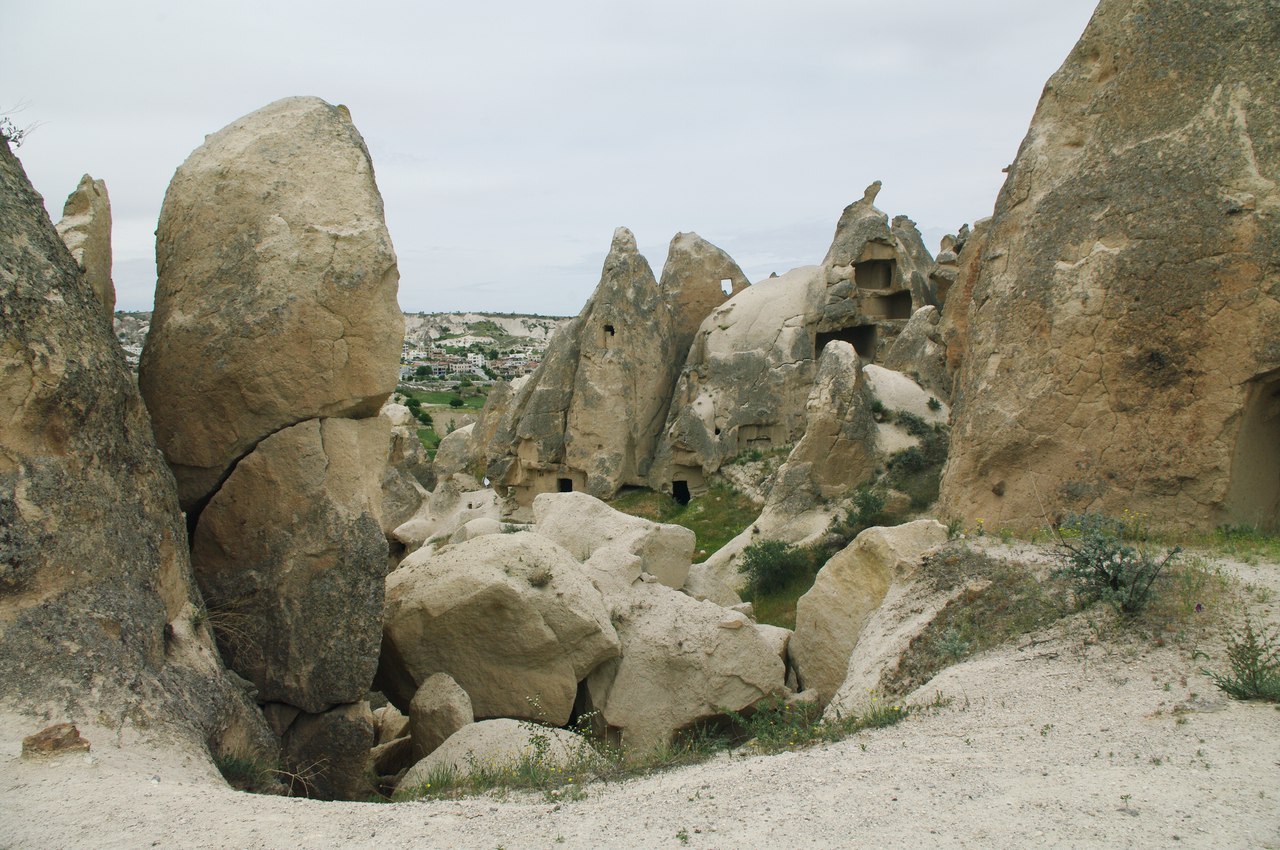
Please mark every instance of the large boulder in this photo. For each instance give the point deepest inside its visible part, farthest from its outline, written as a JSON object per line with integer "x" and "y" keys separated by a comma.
{"x": 276, "y": 301}
{"x": 512, "y": 618}
{"x": 683, "y": 661}
{"x": 299, "y": 614}
{"x": 846, "y": 592}
{"x": 99, "y": 617}
{"x": 498, "y": 744}
{"x": 328, "y": 755}
{"x": 1123, "y": 347}
{"x": 919, "y": 351}
{"x": 439, "y": 709}
{"x": 622, "y": 547}
{"x": 86, "y": 229}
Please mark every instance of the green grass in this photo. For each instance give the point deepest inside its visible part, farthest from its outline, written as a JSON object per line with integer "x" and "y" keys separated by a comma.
{"x": 441, "y": 399}
{"x": 430, "y": 440}
{"x": 716, "y": 517}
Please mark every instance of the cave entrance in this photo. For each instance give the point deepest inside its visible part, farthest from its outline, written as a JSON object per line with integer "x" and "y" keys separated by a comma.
{"x": 863, "y": 338}
{"x": 873, "y": 274}
{"x": 1253, "y": 497}
{"x": 564, "y": 485}
{"x": 680, "y": 492}
{"x": 607, "y": 333}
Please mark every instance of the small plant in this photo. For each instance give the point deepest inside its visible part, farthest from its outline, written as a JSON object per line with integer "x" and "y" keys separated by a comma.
{"x": 683, "y": 835}
{"x": 933, "y": 404}
{"x": 1254, "y": 656}
{"x": 540, "y": 578}
{"x": 770, "y": 564}
{"x": 1101, "y": 565}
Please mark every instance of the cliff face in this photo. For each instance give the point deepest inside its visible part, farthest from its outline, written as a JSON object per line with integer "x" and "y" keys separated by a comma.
{"x": 1123, "y": 342}
{"x": 98, "y": 616}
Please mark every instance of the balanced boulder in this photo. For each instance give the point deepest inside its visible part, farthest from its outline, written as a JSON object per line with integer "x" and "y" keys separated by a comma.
{"x": 276, "y": 301}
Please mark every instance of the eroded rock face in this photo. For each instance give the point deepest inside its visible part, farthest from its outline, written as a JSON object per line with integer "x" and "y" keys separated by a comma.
{"x": 290, "y": 556}
{"x": 1124, "y": 329}
{"x": 86, "y": 229}
{"x": 512, "y": 618}
{"x": 589, "y": 419}
{"x": 919, "y": 351}
{"x": 276, "y": 301}
{"x": 847, "y": 591}
{"x": 94, "y": 569}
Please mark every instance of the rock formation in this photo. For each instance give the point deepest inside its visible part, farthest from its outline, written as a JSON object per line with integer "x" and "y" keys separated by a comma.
{"x": 86, "y": 230}
{"x": 847, "y": 591}
{"x": 495, "y": 744}
{"x": 276, "y": 301}
{"x": 99, "y": 620}
{"x": 1123, "y": 349}
{"x": 273, "y": 344}
{"x": 753, "y": 361}
{"x": 291, "y": 558}
{"x": 512, "y": 618}
{"x": 590, "y": 417}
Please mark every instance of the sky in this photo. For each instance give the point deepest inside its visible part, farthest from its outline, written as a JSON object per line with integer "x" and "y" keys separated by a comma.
{"x": 509, "y": 139}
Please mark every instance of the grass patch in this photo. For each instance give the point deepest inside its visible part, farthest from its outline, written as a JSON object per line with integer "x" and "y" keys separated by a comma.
{"x": 442, "y": 399}
{"x": 1245, "y": 543}
{"x": 778, "y": 608}
{"x": 430, "y": 440}
{"x": 716, "y": 517}
{"x": 776, "y": 726}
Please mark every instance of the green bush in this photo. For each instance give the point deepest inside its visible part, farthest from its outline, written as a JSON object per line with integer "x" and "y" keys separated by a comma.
{"x": 770, "y": 564}
{"x": 1100, "y": 563}
{"x": 456, "y": 402}
{"x": 1254, "y": 657}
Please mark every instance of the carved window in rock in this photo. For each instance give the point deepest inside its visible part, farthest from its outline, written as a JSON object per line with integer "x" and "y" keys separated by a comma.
{"x": 564, "y": 485}
{"x": 726, "y": 286}
{"x": 895, "y": 306}
{"x": 863, "y": 338}
{"x": 607, "y": 334}
{"x": 873, "y": 274}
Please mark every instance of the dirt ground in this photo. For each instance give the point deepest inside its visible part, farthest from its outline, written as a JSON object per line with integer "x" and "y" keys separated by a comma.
{"x": 1056, "y": 741}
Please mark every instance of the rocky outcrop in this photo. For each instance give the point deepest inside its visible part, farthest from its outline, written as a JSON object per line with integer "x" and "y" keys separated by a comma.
{"x": 512, "y": 618}
{"x": 99, "y": 618}
{"x": 847, "y": 591}
{"x": 86, "y": 229}
{"x": 953, "y": 326}
{"x": 919, "y": 351}
{"x": 1123, "y": 347}
{"x": 589, "y": 419}
{"x": 276, "y": 301}
{"x": 840, "y": 446}
{"x": 300, "y": 613}
{"x": 617, "y": 547}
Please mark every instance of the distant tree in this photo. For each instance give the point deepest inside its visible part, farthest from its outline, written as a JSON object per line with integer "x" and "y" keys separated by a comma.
{"x": 422, "y": 371}
{"x": 456, "y": 402}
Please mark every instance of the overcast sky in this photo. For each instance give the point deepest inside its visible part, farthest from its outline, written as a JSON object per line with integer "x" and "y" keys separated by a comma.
{"x": 510, "y": 138}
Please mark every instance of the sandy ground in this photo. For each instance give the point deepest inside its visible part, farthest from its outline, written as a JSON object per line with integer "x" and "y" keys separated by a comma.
{"x": 1054, "y": 743}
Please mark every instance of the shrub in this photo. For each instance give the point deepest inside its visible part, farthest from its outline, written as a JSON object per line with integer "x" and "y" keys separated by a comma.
{"x": 934, "y": 404}
{"x": 456, "y": 402}
{"x": 770, "y": 564}
{"x": 1100, "y": 564}
{"x": 1254, "y": 657}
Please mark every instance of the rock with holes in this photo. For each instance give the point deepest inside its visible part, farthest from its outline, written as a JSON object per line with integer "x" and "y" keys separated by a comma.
{"x": 683, "y": 661}
{"x": 299, "y": 614}
{"x": 512, "y": 618}
{"x": 276, "y": 301}
{"x": 1123, "y": 345}
{"x": 99, "y": 618}
{"x": 847, "y": 591}
{"x": 500, "y": 744}
{"x": 617, "y": 547}
{"x": 86, "y": 229}
{"x": 590, "y": 417}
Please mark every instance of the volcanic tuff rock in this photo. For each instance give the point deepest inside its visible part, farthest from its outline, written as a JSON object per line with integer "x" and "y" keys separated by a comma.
{"x": 847, "y": 591}
{"x": 98, "y": 613}
{"x": 590, "y": 417}
{"x": 512, "y": 618}
{"x": 86, "y": 229}
{"x": 1124, "y": 329}
{"x": 495, "y": 744}
{"x": 440, "y": 708}
{"x": 920, "y": 351}
{"x": 327, "y": 755}
{"x": 290, "y": 556}
{"x": 276, "y": 301}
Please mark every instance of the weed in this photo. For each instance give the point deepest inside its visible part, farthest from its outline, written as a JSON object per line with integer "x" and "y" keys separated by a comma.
{"x": 1102, "y": 564}
{"x": 776, "y": 725}
{"x": 540, "y": 577}
{"x": 933, "y": 404}
{"x": 1254, "y": 657}
{"x": 683, "y": 835}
